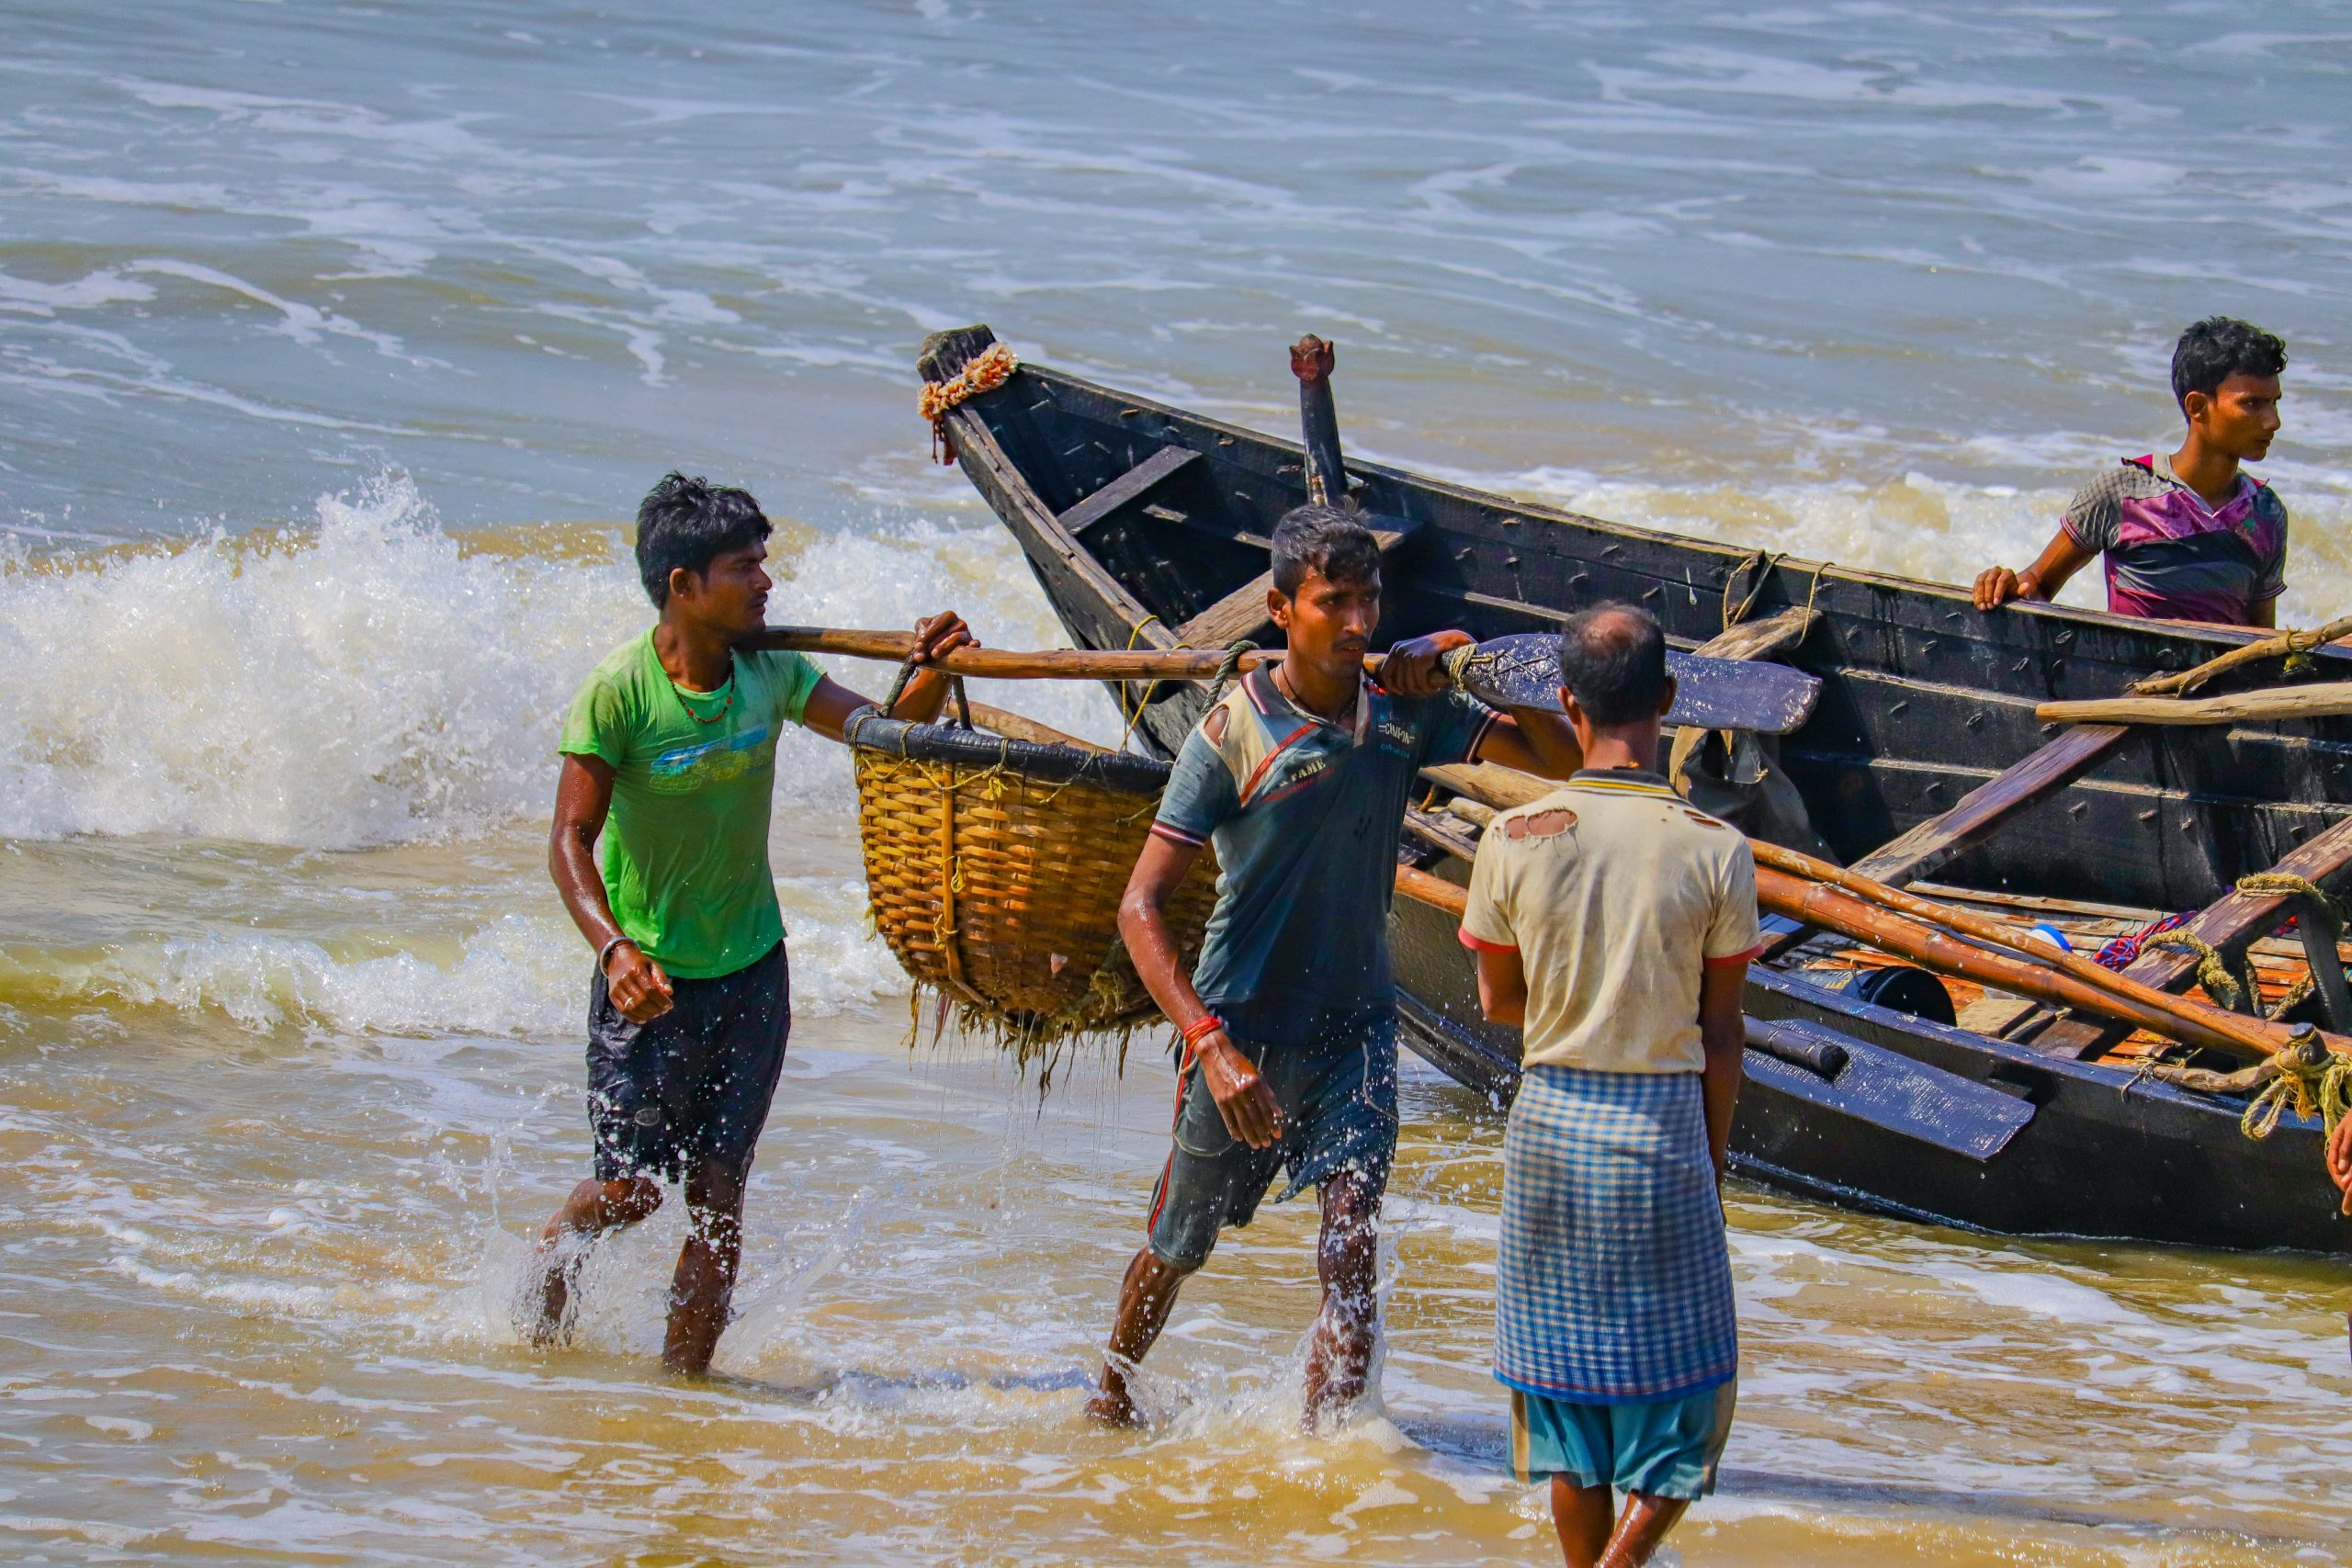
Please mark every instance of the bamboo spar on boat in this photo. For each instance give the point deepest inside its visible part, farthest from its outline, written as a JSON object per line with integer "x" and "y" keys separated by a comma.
{"x": 1815, "y": 893}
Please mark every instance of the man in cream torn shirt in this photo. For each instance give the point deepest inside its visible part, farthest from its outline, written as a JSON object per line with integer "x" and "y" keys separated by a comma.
{"x": 1600, "y": 886}
{"x": 1614, "y": 923}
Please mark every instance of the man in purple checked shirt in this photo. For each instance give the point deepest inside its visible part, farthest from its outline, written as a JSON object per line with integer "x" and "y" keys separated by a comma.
{"x": 2187, "y": 538}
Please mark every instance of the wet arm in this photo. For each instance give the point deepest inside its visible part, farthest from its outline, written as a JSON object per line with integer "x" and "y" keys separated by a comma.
{"x": 1503, "y": 985}
{"x": 1534, "y": 740}
{"x": 1723, "y": 1032}
{"x": 583, "y": 796}
{"x": 1249, "y": 1107}
{"x": 830, "y": 704}
{"x": 2339, "y": 1159}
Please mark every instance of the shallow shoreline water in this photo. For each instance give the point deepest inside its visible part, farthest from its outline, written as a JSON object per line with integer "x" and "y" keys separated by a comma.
{"x": 334, "y": 349}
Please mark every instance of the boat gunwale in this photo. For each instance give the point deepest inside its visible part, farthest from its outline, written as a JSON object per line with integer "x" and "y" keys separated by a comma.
{"x": 2222, "y": 638}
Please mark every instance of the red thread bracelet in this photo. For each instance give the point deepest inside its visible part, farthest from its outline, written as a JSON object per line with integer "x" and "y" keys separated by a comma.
{"x": 1201, "y": 1028}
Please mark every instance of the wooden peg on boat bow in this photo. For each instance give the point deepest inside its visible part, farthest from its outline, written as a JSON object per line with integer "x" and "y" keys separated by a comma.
{"x": 1311, "y": 359}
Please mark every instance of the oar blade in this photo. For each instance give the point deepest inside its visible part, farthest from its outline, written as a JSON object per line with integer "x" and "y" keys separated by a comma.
{"x": 1884, "y": 1089}
{"x": 1714, "y": 694}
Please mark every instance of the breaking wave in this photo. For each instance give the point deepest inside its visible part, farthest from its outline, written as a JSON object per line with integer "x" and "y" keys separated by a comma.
{"x": 374, "y": 680}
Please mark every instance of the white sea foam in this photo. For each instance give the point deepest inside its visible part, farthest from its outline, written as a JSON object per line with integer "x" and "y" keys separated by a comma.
{"x": 1920, "y": 526}
{"x": 361, "y": 682}
{"x": 371, "y": 680}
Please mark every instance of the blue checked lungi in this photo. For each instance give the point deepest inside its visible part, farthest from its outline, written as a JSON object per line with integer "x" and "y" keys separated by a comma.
{"x": 1612, "y": 1278}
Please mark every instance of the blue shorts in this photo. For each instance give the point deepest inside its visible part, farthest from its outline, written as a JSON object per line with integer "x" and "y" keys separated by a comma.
{"x": 1662, "y": 1448}
{"x": 1339, "y": 1100}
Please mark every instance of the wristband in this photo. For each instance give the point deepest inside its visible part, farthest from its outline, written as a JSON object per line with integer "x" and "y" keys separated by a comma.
{"x": 605, "y": 953}
{"x": 1201, "y": 1028}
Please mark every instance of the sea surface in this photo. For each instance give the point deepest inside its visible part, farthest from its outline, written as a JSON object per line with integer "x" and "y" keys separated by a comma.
{"x": 336, "y": 343}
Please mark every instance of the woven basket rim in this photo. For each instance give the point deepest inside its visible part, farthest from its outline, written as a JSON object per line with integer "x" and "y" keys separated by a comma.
{"x": 1122, "y": 772}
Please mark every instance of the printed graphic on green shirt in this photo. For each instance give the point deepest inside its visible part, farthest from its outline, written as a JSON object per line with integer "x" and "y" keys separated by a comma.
{"x": 690, "y": 768}
{"x": 685, "y": 845}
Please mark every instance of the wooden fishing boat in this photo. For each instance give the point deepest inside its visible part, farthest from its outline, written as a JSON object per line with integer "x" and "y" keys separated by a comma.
{"x": 1869, "y": 1085}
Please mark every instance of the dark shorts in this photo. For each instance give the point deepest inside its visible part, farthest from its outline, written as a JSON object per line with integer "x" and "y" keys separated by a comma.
{"x": 1339, "y": 1100}
{"x": 694, "y": 1084}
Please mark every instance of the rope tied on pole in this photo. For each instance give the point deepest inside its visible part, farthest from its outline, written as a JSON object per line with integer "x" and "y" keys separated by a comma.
{"x": 2307, "y": 1078}
{"x": 2293, "y": 647}
{"x": 2211, "y": 972}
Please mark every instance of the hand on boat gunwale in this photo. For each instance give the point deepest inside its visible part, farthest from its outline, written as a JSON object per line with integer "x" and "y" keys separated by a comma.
{"x": 1996, "y": 585}
{"x": 1412, "y": 669}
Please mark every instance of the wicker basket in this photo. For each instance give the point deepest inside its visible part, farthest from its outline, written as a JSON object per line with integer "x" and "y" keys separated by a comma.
{"x": 995, "y": 869}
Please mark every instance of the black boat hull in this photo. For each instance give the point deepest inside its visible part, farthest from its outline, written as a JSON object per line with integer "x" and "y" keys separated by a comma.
{"x": 1922, "y": 699}
{"x": 2103, "y": 1155}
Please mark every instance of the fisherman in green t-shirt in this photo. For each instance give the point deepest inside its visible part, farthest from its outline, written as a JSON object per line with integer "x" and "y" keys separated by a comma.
{"x": 669, "y": 755}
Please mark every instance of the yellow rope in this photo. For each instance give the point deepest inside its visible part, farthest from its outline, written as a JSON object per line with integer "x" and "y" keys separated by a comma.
{"x": 2211, "y": 974}
{"x": 2287, "y": 885}
{"x": 2312, "y": 1081}
{"x": 1760, "y": 563}
{"x": 1135, "y": 636}
{"x": 2303, "y": 986}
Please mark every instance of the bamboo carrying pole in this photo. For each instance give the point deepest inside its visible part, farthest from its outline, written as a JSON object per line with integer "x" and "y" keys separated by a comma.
{"x": 1064, "y": 663}
{"x": 2318, "y": 700}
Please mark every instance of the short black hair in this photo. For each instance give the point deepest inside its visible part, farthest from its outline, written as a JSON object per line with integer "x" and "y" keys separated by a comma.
{"x": 1612, "y": 660}
{"x": 1328, "y": 539}
{"x": 689, "y": 523}
{"x": 2217, "y": 348}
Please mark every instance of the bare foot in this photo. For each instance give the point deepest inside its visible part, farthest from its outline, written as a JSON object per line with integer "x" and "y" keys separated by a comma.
{"x": 543, "y": 1316}
{"x": 1114, "y": 1410}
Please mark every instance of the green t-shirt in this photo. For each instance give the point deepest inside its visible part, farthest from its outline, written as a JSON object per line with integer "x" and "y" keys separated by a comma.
{"x": 686, "y": 843}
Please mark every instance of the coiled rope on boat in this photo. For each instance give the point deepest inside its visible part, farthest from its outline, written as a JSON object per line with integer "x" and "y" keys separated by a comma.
{"x": 2309, "y": 1079}
{"x": 2211, "y": 972}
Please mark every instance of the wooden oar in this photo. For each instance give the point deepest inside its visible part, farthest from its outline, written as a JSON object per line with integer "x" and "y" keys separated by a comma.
{"x": 2256, "y": 1036}
{"x": 1834, "y": 909}
{"x": 1719, "y": 693}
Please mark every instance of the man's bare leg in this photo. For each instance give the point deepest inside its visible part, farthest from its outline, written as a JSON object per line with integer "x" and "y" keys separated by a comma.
{"x": 1339, "y": 1353}
{"x": 1641, "y": 1529}
{"x": 1583, "y": 1516}
{"x": 705, "y": 1282}
{"x": 1145, "y": 1297}
{"x": 593, "y": 1208}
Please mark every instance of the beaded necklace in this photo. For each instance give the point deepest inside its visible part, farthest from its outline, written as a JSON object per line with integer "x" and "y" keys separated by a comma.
{"x": 729, "y": 688}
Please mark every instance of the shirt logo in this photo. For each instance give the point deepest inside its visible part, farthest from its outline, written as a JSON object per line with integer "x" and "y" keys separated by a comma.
{"x": 685, "y": 769}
